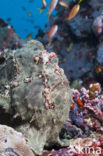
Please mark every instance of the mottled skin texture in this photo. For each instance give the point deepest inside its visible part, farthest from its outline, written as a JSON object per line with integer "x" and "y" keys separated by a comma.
{"x": 41, "y": 123}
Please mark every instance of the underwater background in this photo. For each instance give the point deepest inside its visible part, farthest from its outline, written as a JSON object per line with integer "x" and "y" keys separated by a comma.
{"x": 51, "y": 77}
{"x": 24, "y": 16}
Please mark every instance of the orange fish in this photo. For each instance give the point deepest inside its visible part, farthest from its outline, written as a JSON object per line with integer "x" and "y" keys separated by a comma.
{"x": 52, "y": 31}
{"x": 44, "y": 4}
{"x": 30, "y": 14}
{"x": 64, "y": 4}
{"x": 72, "y": 107}
{"x": 79, "y": 102}
{"x": 73, "y": 12}
{"x": 52, "y": 6}
{"x": 29, "y": 35}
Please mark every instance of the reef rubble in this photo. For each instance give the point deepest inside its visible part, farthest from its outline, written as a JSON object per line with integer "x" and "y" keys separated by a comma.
{"x": 13, "y": 143}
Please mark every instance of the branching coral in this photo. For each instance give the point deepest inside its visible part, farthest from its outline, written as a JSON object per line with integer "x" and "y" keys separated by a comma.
{"x": 91, "y": 113}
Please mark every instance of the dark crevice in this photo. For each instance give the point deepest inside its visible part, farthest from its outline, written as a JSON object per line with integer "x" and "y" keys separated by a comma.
{"x": 2, "y": 60}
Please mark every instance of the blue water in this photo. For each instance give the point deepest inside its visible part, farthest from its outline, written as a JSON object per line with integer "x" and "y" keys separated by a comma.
{"x": 16, "y": 13}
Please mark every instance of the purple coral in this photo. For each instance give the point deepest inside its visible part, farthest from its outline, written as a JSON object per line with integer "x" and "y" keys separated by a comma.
{"x": 92, "y": 113}
{"x": 81, "y": 147}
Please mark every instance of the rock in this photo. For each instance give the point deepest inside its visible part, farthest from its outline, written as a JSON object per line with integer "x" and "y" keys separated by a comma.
{"x": 80, "y": 26}
{"x": 96, "y": 5}
{"x": 35, "y": 87}
{"x": 8, "y": 37}
{"x": 99, "y": 62}
{"x": 13, "y": 143}
{"x": 98, "y": 25}
{"x": 81, "y": 146}
{"x": 100, "y": 54}
{"x": 78, "y": 61}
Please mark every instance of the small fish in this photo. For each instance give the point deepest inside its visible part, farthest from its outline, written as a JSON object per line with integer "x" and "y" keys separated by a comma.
{"x": 30, "y": 14}
{"x": 52, "y": 6}
{"x": 29, "y": 35}
{"x": 73, "y": 12}
{"x": 80, "y": 1}
{"x": 64, "y": 4}
{"x": 70, "y": 47}
{"x": 32, "y": 119}
{"x": 79, "y": 102}
{"x": 72, "y": 107}
{"x": 52, "y": 31}
{"x": 44, "y": 4}
{"x": 8, "y": 19}
{"x": 24, "y": 8}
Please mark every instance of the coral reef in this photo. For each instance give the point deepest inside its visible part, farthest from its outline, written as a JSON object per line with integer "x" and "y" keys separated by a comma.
{"x": 99, "y": 62}
{"x": 13, "y": 143}
{"x": 99, "y": 54}
{"x": 87, "y": 112}
{"x": 84, "y": 127}
{"x": 81, "y": 147}
{"x": 8, "y": 37}
{"x": 98, "y": 25}
{"x": 34, "y": 88}
{"x": 75, "y": 42}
